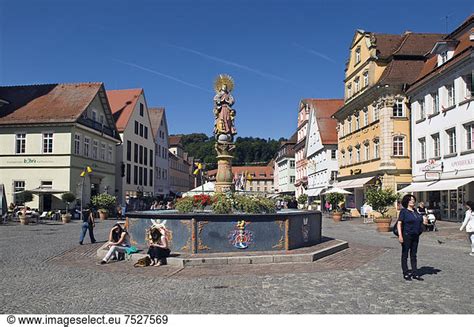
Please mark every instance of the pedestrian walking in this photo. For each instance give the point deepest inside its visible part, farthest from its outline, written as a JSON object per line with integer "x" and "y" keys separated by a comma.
{"x": 468, "y": 223}
{"x": 410, "y": 227}
{"x": 88, "y": 223}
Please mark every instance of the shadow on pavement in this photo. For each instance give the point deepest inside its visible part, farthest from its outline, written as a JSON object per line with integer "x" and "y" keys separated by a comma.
{"x": 428, "y": 271}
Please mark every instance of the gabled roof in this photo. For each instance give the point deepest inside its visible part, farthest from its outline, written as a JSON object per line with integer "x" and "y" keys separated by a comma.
{"x": 122, "y": 103}
{"x": 175, "y": 140}
{"x": 386, "y": 44}
{"x": 324, "y": 110}
{"x": 46, "y": 103}
{"x": 156, "y": 115}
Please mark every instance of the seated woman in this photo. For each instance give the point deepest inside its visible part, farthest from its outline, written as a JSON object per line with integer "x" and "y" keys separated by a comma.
{"x": 119, "y": 241}
{"x": 158, "y": 246}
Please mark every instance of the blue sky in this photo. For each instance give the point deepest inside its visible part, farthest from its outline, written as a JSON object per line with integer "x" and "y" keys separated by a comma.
{"x": 278, "y": 52}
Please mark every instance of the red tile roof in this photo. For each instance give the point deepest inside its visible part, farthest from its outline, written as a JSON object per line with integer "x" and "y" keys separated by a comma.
{"x": 324, "y": 110}
{"x": 156, "y": 115}
{"x": 122, "y": 103}
{"x": 257, "y": 170}
{"x": 175, "y": 140}
{"x": 46, "y": 103}
{"x": 386, "y": 44}
{"x": 417, "y": 44}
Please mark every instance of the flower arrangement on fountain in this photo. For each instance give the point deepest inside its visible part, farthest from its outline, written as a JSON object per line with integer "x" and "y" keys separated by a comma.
{"x": 226, "y": 203}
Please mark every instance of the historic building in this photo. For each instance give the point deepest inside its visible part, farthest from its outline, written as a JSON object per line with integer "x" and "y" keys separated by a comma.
{"x": 373, "y": 124}
{"x": 159, "y": 127}
{"x": 255, "y": 179}
{"x": 442, "y": 120}
{"x": 49, "y": 135}
{"x": 284, "y": 167}
{"x": 301, "y": 181}
{"x": 180, "y": 167}
{"x": 135, "y": 156}
{"x": 321, "y": 146}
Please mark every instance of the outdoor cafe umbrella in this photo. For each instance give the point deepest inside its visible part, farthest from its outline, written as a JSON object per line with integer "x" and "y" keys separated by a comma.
{"x": 337, "y": 190}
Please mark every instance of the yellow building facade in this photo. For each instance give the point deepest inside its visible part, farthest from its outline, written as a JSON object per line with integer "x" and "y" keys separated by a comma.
{"x": 373, "y": 125}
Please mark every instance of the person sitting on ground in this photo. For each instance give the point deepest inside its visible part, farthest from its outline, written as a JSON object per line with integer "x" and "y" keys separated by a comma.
{"x": 119, "y": 241}
{"x": 421, "y": 209}
{"x": 158, "y": 245}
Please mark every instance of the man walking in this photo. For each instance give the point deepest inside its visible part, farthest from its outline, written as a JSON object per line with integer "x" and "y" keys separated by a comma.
{"x": 88, "y": 223}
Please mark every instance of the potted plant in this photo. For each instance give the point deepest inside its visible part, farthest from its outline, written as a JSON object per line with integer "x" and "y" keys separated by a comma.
{"x": 381, "y": 200}
{"x": 67, "y": 198}
{"x": 302, "y": 199}
{"x": 104, "y": 202}
{"x": 335, "y": 199}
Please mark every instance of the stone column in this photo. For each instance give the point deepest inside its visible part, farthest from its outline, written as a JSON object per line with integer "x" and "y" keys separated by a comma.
{"x": 385, "y": 106}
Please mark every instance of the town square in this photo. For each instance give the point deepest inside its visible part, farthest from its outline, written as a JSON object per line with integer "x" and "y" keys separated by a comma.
{"x": 236, "y": 157}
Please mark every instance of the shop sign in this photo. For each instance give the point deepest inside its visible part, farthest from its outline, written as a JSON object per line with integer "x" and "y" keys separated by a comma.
{"x": 461, "y": 163}
{"x": 433, "y": 166}
{"x": 432, "y": 175}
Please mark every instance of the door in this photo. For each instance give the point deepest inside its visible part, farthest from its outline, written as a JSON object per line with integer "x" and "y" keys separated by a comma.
{"x": 47, "y": 199}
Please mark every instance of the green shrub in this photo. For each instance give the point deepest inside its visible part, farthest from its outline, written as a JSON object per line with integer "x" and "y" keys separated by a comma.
{"x": 381, "y": 199}
{"x": 25, "y": 196}
{"x": 103, "y": 201}
{"x": 222, "y": 204}
{"x": 334, "y": 199}
{"x": 185, "y": 205}
{"x": 302, "y": 199}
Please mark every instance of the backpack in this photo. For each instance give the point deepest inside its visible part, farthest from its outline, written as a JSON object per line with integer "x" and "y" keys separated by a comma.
{"x": 143, "y": 262}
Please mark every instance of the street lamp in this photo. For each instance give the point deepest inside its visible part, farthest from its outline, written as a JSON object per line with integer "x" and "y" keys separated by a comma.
{"x": 85, "y": 171}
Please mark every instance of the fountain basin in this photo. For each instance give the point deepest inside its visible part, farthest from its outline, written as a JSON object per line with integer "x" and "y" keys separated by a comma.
{"x": 212, "y": 233}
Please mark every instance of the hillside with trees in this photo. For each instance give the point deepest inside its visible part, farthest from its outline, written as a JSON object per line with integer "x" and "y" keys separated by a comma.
{"x": 250, "y": 151}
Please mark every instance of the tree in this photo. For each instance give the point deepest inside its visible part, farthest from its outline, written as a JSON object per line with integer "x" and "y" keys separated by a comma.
{"x": 381, "y": 199}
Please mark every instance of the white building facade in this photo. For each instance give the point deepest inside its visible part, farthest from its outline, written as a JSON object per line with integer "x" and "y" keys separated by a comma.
{"x": 284, "y": 168}
{"x": 160, "y": 131}
{"x": 442, "y": 122}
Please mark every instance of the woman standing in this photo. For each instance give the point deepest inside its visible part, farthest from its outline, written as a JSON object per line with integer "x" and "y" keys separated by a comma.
{"x": 468, "y": 223}
{"x": 410, "y": 227}
{"x": 88, "y": 223}
{"x": 158, "y": 246}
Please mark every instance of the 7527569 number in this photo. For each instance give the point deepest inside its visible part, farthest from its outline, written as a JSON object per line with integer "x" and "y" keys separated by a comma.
{"x": 146, "y": 319}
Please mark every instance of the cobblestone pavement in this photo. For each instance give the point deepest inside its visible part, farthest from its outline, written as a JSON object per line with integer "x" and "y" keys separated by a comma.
{"x": 43, "y": 269}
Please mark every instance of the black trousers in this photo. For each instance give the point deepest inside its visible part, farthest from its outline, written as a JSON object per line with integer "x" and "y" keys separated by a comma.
{"x": 157, "y": 253}
{"x": 410, "y": 244}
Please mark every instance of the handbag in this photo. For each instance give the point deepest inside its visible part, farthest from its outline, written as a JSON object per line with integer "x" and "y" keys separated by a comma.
{"x": 395, "y": 229}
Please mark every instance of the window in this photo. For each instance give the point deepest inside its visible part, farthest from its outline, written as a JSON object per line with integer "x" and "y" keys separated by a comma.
{"x": 146, "y": 132}
{"x": 349, "y": 90}
{"x": 435, "y": 103}
{"x": 151, "y": 158}
{"x": 357, "y": 55}
{"x": 77, "y": 144}
{"x": 366, "y": 79}
{"x": 366, "y": 117}
{"x": 94, "y": 115}
{"x": 141, "y": 109}
{"x": 151, "y": 177}
{"x": 129, "y": 150}
{"x": 165, "y": 174}
{"x": 343, "y": 160}
{"x": 451, "y": 95}
{"x": 398, "y": 146}
{"x": 421, "y": 103}
{"x": 129, "y": 172}
{"x": 95, "y": 148}
{"x": 349, "y": 123}
{"x": 145, "y": 176}
{"x": 357, "y": 85}
{"x": 136, "y": 127}
{"x": 47, "y": 142}
{"x": 366, "y": 152}
{"x": 376, "y": 113}
{"x": 46, "y": 184}
{"x": 292, "y": 179}
{"x": 357, "y": 154}
{"x": 292, "y": 164}
{"x": 101, "y": 119}
{"x": 18, "y": 187}
{"x": 20, "y": 143}
{"x": 145, "y": 156}
{"x": 451, "y": 140}
{"x": 436, "y": 145}
{"x": 135, "y": 175}
{"x": 87, "y": 142}
{"x": 333, "y": 154}
{"x": 422, "y": 147}
{"x": 357, "y": 119}
{"x": 102, "y": 151}
{"x": 109, "y": 153}
{"x": 140, "y": 155}
{"x": 469, "y": 89}
{"x": 376, "y": 149}
{"x": 444, "y": 57}
{"x": 158, "y": 175}
{"x": 398, "y": 108}
{"x": 350, "y": 157}
{"x": 159, "y": 150}
{"x": 469, "y": 136}
{"x": 141, "y": 130}
{"x": 135, "y": 152}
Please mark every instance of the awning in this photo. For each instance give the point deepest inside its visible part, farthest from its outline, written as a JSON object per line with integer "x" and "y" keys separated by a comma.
{"x": 314, "y": 191}
{"x": 45, "y": 190}
{"x": 354, "y": 183}
{"x": 447, "y": 184}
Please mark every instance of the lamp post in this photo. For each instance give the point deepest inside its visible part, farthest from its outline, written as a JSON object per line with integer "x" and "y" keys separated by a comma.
{"x": 85, "y": 171}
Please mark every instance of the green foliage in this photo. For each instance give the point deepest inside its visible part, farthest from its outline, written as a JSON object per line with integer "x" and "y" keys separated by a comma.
{"x": 68, "y": 197}
{"x": 287, "y": 198}
{"x": 254, "y": 204}
{"x": 185, "y": 205}
{"x": 25, "y": 196}
{"x": 302, "y": 199}
{"x": 334, "y": 199}
{"x": 222, "y": 203}
{"x": 381, "y": 199}
{"x": 104, "y": 201}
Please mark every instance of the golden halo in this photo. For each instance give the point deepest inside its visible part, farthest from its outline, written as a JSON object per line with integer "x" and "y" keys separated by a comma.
{"x": 224, "y": 79}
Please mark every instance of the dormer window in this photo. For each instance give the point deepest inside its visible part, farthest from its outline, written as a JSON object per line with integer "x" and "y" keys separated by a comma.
{"x": 444, "y": 57}
{"x": 445, "y": 50}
